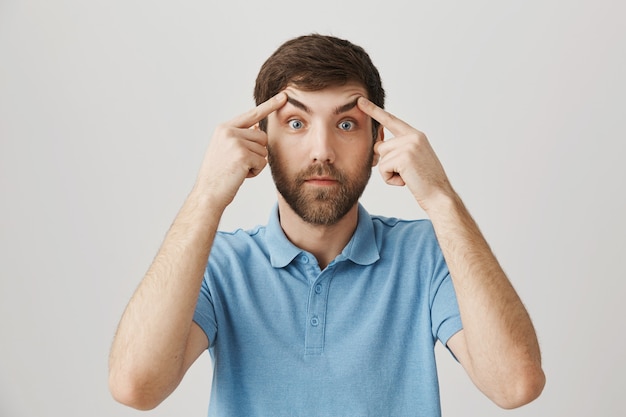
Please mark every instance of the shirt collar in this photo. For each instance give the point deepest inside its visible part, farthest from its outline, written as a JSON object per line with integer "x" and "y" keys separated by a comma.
{"x": 361, "y": 249}
{"x": 281, "y": 250}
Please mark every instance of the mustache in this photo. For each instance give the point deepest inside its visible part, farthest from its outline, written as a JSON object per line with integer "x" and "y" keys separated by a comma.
{"x": 320, "y": 170}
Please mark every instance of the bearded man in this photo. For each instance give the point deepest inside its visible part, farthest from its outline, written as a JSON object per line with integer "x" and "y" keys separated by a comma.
{"x": 326, "y": 310}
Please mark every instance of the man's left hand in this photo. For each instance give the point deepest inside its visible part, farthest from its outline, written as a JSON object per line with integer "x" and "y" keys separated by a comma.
{"x": 407, "y": 158}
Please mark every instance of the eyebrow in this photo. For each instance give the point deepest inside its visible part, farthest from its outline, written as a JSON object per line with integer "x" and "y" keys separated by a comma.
{"x": 338, "y": 110}
{"x": 346, "y": 107}
{"x": 298, "y": 104}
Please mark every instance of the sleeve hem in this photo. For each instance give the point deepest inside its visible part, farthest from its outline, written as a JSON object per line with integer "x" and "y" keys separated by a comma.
{"x": 207, "y": 328}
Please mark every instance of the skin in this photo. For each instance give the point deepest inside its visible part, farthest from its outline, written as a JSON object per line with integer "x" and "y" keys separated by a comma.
{"x": 157, "y": 340}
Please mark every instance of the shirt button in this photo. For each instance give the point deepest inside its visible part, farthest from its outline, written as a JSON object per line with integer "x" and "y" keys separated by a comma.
{"x": 304, "y": 259}
{"x": 315, "y": 321}
{"x": 318, "y": 288}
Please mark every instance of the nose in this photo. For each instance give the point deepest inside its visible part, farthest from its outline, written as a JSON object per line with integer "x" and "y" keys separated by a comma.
{"x": 322, "y": 149}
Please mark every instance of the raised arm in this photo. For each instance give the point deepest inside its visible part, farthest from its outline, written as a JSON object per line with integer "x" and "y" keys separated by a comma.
{"x": 498, "y": 345}
{"x": 156, "y": 340}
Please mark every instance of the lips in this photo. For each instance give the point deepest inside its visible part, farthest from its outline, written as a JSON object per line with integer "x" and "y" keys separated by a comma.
{"x": 321, "y": 175}
{"x": 321, "y": 181}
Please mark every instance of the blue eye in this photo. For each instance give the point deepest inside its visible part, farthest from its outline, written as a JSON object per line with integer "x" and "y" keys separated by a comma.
{"x": 346, "y": 125}
{"x": 295, "y": 124}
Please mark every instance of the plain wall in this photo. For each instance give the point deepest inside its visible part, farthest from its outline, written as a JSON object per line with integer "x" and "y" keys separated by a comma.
{"x": 106, "y": 109}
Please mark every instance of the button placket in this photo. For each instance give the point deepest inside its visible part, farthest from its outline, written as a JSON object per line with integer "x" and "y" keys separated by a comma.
{"x": 316, "y": 314}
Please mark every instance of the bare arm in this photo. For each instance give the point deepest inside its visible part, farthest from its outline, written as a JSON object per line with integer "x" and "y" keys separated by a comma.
{"x": 498, "y": 345}
{"x": 156, "y": 340}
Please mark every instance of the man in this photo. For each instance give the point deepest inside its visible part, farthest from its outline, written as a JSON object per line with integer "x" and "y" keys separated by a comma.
{"x": 327, "y": 310}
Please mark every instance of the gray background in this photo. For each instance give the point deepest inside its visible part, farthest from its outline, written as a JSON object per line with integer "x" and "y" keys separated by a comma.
{"x": 106, "y": 108}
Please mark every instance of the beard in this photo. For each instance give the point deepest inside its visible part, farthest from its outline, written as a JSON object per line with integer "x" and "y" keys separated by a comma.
{"x": 320, "y": 205}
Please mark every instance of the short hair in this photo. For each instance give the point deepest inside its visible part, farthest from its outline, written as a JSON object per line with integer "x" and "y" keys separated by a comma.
{"x": 314, "y": 62}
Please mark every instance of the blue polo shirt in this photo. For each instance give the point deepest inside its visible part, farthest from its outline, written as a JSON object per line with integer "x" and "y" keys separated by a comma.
{"x": 354, "y": 339}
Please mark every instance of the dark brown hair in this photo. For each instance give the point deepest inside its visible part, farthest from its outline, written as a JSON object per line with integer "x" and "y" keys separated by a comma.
{"x": 314, "y": 62}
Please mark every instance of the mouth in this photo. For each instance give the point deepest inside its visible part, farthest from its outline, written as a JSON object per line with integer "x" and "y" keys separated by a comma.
{"x": 321, "y": 181}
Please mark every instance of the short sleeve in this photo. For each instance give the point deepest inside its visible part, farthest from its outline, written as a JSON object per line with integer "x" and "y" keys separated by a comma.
{"x": 204, "y": 315}
{"x": 445, "y": 316}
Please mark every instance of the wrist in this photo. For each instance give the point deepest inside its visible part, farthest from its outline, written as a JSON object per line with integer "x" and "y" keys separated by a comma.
{"x": 207, "y": 200}
{"x": 443, "y": 205}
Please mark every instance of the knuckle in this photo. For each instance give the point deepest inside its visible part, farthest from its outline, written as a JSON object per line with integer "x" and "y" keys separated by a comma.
{"x": 223, "y": 129}
{"x": 418, "y": 138}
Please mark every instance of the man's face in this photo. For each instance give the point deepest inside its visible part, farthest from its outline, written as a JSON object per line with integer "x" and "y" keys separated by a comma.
{"x": 320, "y": 151}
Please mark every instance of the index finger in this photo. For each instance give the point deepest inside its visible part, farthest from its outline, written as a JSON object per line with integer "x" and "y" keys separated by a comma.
{"x": 260, "y": 112}
{"x": 396, "y": 126}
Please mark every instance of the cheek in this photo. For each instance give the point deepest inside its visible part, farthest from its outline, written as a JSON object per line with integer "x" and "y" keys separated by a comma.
{"x": 363, "y": 158}
{"x": 359, "y": 149}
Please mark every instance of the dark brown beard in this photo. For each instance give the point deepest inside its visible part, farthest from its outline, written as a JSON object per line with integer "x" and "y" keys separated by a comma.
{"x": 324, "y": 206}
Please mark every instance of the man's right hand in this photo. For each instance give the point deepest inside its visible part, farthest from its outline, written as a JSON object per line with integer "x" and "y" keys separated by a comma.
{"x": 237, "y": 151}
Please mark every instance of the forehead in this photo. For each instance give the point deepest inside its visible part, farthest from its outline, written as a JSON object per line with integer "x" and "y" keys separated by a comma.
{"x": 327, "y": 99}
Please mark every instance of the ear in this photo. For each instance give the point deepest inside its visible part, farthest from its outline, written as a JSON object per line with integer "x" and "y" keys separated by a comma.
{"x": 379, "y": 139}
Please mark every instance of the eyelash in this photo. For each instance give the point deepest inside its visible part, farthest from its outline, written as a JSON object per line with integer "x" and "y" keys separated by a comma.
{"x": 292, "y": 121}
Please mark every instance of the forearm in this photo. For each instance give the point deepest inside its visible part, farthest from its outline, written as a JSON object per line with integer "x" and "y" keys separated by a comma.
{"x": 156, "y": 340}
{"x": 503, "y": 356}
{"x": 149, "y": 346}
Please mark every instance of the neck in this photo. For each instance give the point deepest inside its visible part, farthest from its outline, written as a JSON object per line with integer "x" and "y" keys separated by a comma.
{"x": 324, "y": 242}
